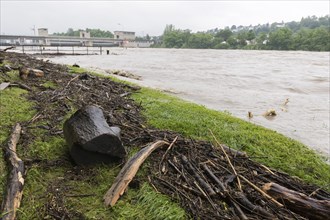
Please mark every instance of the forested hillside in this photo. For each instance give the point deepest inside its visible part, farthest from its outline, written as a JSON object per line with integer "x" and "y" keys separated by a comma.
{"x": 311, "y": 33}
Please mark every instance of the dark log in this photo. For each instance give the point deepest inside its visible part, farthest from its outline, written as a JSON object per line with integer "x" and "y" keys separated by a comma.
{"x": 15, "y": 182}
{"x": 214, "y": 178}
{"x": 88, "y": 129}
{"x": 299, "y": 202}
{"x": 192, "y": 171}
{"x": 246, "y": 204}
{"x": 128, "y": 172}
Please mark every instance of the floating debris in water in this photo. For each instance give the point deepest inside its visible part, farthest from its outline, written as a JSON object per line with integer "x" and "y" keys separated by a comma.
{"x": 270, "y": 112}
{"x": 250, "y": 115}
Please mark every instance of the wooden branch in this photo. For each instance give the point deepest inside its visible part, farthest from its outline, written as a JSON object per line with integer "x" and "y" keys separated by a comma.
{"x": 128, "y": 172}
{"x": 192, "y": 171}
{"x": 228, "y": 160}
{"x": 246, "y": 204}
{"x": 23, "y": 86}
{"x": 239, "y": 211}
{"x": 234, "y": 152}
{"x": 298, "y": 202}
{"x": 166, "y": 152}
{"x": 15, "y": 182}
{"x": 214, "y": 178}
{"x": 262, "y": 192}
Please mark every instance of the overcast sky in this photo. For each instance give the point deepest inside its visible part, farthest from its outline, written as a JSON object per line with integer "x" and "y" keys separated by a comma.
{"x": 149, "y": 17}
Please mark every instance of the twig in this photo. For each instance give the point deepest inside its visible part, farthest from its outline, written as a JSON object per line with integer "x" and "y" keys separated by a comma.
{"x": 315, "y": 191}
{"x": 15, "y": 183}
{"x": 71, "y": 81}
{"x": 35, "y": 117}
{"x": 23, "y": 86}
{"x": 228, "y": 160}
{"x": 261, "y": 191}
{"x": 266, "y": 168}
{"x": 153, "y": 186}
{"x": 205, "y": 195}
{"x": 166, "y": 152}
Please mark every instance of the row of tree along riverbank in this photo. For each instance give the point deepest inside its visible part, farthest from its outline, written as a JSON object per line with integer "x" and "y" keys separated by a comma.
{"x": 310, "y": 34}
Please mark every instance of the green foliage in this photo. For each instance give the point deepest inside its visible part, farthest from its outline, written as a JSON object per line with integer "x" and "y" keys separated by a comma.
{"x": 310, "y": 33}
{"x": 280, "y": 39}
{"x": 224, "y": 34}
{"x": 273, "y": 149}
{"x": 93, "y": 32}
{"x": 200, "y": 40}
{"x": 175, "y": 38}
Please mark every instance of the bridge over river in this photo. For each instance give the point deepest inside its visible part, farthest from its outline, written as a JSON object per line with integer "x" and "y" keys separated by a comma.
{"x": 39, "y": 43}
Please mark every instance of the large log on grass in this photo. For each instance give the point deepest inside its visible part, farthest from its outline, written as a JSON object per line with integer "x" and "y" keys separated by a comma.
{"x": 15, "y": 183}
{"x": 298, "y": 202}
{"x": 128, "y": 172}
{"x": 87, "y": 129}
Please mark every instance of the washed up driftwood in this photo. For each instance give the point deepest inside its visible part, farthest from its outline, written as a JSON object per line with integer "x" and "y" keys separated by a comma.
{"x": 15, "y": 181}
{"x": 299, "y": 202}
{"x": 87, "y": 129}
{"x": 25, "y": 72}
{"x": 128, "y": 172}
{"x": 124, "y": 74}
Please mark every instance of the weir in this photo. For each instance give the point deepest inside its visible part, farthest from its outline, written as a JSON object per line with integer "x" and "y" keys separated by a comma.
{"x": 24, "y": 41}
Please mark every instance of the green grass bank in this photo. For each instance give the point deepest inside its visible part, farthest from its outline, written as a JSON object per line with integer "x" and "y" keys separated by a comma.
{"x": 275, "y": 150}
{"x": 84, "y": 195}
{"x": 263, "y": 145}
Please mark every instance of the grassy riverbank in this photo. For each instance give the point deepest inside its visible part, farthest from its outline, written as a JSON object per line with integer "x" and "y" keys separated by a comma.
{"x": 275, "y": 150}
{"x": 266, "y": 146}
{"x": 55, "y": 186}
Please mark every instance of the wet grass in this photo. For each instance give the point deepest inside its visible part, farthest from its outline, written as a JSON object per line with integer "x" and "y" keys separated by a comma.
{"x": 266, "y": 146}
{"x": 13, "y": 108}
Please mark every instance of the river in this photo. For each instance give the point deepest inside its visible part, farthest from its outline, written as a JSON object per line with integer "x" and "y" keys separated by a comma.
{"x": 236, "y": 81}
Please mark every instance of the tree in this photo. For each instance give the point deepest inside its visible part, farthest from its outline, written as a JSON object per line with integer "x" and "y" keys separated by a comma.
{"x": 280, "y": 39}
{"x": 200, "y": 40}
{"x": 232, "y": 42}
{"x": 225, "y": 34}
{"x": 250, "y": 35}
{"x": 241, "y": 37}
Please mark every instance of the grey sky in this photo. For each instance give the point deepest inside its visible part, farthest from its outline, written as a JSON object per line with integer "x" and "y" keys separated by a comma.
{"x": 149, "y": 17}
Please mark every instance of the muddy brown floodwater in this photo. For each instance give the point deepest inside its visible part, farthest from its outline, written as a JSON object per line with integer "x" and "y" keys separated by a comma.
{"x": 236, "y": 81}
